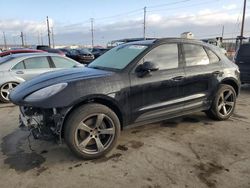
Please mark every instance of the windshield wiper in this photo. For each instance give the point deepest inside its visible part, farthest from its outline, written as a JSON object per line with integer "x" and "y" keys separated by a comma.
{"x": 96, "y": 67}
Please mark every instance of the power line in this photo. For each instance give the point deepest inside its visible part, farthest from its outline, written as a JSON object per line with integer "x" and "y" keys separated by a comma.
{"x": 190, "y": 5}
{"x": 168, "y": 4}
{"x": 121, "y": 14}
{"x": 197, "y": 15}
{"x": 137, "y": 11}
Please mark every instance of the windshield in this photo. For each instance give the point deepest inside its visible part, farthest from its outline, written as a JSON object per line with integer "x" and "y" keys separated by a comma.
{"x": 118, "y": 57}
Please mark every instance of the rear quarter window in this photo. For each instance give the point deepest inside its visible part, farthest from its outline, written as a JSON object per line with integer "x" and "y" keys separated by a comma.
{"x": 195, "y": 55}
{"x": 213, "y": 58}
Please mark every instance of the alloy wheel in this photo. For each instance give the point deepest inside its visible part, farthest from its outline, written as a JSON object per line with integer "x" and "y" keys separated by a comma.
{"x": 95, "y": 133}
{"x": 6, "y": 89}
{"x": 226, "y": 102}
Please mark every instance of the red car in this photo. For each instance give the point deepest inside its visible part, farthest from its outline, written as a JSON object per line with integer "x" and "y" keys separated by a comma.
{"x": 5, "y": 53}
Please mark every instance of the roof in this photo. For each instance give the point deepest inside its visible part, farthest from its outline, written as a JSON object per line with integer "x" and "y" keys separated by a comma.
{"x": 33, "y": 54}
{"x": 162, "y": 40}
{"x": 19, "y": 51}
{"x": 131, "y": 40}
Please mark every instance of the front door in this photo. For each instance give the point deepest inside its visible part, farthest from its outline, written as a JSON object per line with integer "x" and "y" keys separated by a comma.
{"x": 156, "y": 94}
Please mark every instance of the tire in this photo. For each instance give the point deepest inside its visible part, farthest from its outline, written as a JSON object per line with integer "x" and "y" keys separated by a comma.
{"x": 92, "y": 130}
{"x": 223, "y": 104}
{"x": 5, "y": 91}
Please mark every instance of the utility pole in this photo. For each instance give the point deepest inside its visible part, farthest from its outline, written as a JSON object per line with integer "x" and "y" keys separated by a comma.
{"x": 53, "y": 41}
{"x": 48, "y": 31}
{"x": 222, "y": 32}
{"x": 92, "y": 31}
{"x": 243, "y": 22}
{"x": 4, "y": 40}
{"x": 144, "y": 23}
{"x": 22, "y": 39}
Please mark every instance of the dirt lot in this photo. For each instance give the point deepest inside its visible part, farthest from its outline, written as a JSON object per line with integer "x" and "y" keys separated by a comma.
{"x": 191, "y": 151}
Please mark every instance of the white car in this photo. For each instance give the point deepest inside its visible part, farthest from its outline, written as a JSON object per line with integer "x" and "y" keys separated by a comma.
{"x": 17, "y": 68}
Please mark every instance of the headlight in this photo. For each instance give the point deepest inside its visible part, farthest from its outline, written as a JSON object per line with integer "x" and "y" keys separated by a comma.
{"x": 45, "y": 92}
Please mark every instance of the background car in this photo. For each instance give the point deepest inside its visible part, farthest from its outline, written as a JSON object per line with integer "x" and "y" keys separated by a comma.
{"x": 81, "y": 55}
{"x": 242, "y": 59}
{"x": 56, "y": 51}
{"x": 98, "y": 51}
{"x": 48, "y": 49}
{"x": 17, "y": 68}
{"x": 5, "y": 53}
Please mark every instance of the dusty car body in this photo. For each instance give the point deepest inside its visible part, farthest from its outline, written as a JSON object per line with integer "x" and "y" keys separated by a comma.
{"x": 112, "y": 93}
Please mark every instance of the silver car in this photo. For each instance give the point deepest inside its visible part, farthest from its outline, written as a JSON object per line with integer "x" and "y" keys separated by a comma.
{"x": 17, "y": 68}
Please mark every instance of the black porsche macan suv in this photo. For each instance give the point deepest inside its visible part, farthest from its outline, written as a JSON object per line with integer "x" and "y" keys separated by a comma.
{"x": 134, "y": 83}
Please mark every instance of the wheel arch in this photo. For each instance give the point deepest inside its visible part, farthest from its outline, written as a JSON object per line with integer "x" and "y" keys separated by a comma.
{"x": 232, "y": 82}
{"x": 99, "y": 99}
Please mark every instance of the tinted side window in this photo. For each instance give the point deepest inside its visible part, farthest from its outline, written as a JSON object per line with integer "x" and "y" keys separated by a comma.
{"x": 18, "y": 66}
{"x": 36, "y": 63}
{"x": 62, "y": 62}
{"x": 165, "y": 56}
{"x": 213, "y": 58}
{"x": 195, "y": 55}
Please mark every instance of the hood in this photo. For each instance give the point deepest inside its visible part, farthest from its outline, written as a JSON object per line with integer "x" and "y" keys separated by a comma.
{"x": 55, "y": 77}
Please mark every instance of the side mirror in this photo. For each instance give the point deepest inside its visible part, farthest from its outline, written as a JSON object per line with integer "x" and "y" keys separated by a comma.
{"x": 146, "y": 68}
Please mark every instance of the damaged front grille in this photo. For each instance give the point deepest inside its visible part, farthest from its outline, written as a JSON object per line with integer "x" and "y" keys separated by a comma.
{"x": 39, "y": 122}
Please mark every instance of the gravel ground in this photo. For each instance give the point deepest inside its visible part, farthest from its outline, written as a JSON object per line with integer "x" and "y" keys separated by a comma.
{"x": 191, "y": 151}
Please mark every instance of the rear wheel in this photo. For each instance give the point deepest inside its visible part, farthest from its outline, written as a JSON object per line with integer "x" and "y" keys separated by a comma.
{"x": 92, "y": 130}
{"x": 5, "y": 91}
{"x": 223, "y": 104}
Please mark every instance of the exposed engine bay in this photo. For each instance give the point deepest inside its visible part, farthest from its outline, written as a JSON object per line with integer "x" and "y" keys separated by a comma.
{"x": 45, "y": 124}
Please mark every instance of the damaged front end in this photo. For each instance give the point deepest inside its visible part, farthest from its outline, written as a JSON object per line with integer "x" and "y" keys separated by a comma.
{"x": 45, "y": 124}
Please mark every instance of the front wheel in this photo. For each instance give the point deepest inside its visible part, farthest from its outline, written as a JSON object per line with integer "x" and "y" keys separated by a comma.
{"x": 223, "y": 104}
{"x": 92, "y": 130}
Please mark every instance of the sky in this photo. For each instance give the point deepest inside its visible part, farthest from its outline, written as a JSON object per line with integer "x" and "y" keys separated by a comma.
{"x": 116, "y": 19}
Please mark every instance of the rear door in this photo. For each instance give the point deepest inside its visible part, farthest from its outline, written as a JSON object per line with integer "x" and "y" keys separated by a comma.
{"x": 202, "y": 70}
{"x": 157, "y": 94}
{"x": 31, "y": 67}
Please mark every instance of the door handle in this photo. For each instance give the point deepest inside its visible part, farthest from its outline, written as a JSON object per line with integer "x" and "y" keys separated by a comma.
{"x": 177, "y": 78}
{"x": 19, "y": 72}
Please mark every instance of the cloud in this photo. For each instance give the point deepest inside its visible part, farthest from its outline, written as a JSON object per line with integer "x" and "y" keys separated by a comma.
{"x": 230, "y": 7}
{"x": 204, "y": 22}
{"x": 28, "y": 26}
